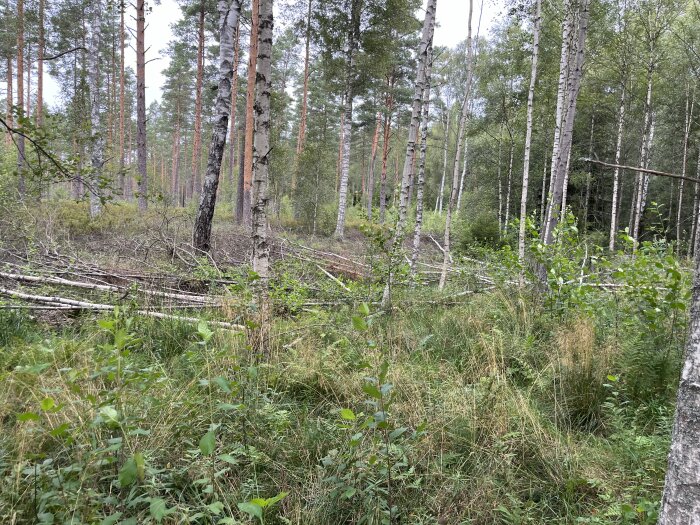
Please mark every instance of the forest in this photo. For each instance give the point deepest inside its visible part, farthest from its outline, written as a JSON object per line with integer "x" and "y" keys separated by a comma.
{"x": 302, "y": 262}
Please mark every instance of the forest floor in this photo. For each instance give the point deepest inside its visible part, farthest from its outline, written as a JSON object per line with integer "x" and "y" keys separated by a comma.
{"x": 485, "y": 403}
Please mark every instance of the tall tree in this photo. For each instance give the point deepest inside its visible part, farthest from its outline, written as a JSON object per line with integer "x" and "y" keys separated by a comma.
{"x": 197, "y": 142}
{"x": 261, "y": 150}
{"x": 353, "y": 34}
{"x": 528, "y": 134}
{"x": 20, "y": 95}
{"x": 97, "y": 141}
{"x": 229, "y": 11}
{"x": 247, "y": 160}
{"x": 464, "y": 112}
{"x": 141, "y": 152}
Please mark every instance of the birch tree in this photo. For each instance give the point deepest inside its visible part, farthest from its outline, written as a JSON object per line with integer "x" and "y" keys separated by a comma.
{"x": 261, "y": 150}
{"x": 528, "y": 135}
{"x": 460, "y": 140}
{"x": 229, "y": 11}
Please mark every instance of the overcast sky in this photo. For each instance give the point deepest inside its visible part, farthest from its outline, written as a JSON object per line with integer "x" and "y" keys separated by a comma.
{"x": 451, "y": 19}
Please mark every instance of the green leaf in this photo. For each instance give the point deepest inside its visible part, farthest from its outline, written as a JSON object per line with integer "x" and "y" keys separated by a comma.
{"x": 110, "y": 415}
{"x": 28, "y": 416}
{"x": 47, "y": 404}
{"x": 158, "y": 509}
{"x": 363, "y": 309}
{"x": 228, "y": 458}
{"x": 204, "y": 332}
{"x": 112, "y": 519}
{"x": 140, "y": 466}
{"x": 347, "y": 414}
{"x": 359, "y": 323}
{"x": 207, "y": 443}
{"x": 128, "y": 473}
{"x": 371, "y": 390}
{"x": 251, "y": 509}
{"x": 271, "y": 501}
{"x": 223, "y": 384}
{"x": 216, "y": 508}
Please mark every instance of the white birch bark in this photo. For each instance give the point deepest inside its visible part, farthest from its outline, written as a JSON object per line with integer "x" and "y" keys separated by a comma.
{"x": 642, "y": 179}
{"x": 229, "y": 11}
{"x": 696, "y": 217}
{"x": 353, "y": 31}
{"x": 460, "y": 138}
{"x": 418, "y": 96}
{"x": 616, "y": 173}
{"x": 420, "y": 183}
{"x": 528, "y": 137}
{"x": 564, "y": 149}
{"x": 680, "y": 504}
{"x": 261, "y": 143}
{"x": 446, "y": 127}
{"x": 689, "y": 106}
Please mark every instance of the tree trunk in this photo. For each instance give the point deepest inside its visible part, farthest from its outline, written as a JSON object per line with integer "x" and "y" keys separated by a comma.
{"x": 694, "y": 235}
{"x": 96, "y": 136}
{"x": 234, "y": 91}
{"x": 40, "y": 68}
{"x": 8, "y": 116}
{"x": 587, "y": 197}
{"x": 420, "y": 183}
{"x": 645, "y": 146}
{"x": 616, "y": 174}
{"x": 261, "y": 149}
{"x": 250, "y": 124}
{"x": 680, "y": 504}
{"x": 305, "y": 96}
{"x": 418, "y": 90}
{"x": 142, "y": 182}
{"x": 528, "y": 137}
{"x": 689, "y": 106}
{"x": 372, "y": 163}
{"x": 229, "y": 11}
{"x": 122, "y": 44}
{"x": 20, "y": 96}
{"x": 193, "y": 188}
{"x": 563, "y": 149}
{"x": 420, "y": 87}
{"x": 386, "y": 138}
{"x": 446, "y": 144}
{"x": 348, "y": 96}
{"x": 509, "y": 185}
{"x": 460, "y": 139}
{"x": 465, "y": 165}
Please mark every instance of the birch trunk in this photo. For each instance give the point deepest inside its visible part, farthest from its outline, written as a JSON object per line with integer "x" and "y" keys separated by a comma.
{"x": 528, "y": 137}
{"x": 689, "y": 106}
{"x": 261, "y": 150}
{"x": 419, "y": 90}
{"x": 564, "y": 147}
{"x": 509, "y": 187}
{"x": 694, "y": 235}
{"x": 97, "y": 143}
{"x": 616, "y": 174}
{"x": 680, "y": 504}
{"x": 460, "y": 139}
{"x": 142, "y": 181}
{"x": 589, "y": 176}
{"x": 463, "y": 175}
{"x": 353, "y": 34}
{"x": 420, "y": 183}
{"x": 446, "y": 142}
{"x": 229, "y": 11}
{"x": 647, "y": 136}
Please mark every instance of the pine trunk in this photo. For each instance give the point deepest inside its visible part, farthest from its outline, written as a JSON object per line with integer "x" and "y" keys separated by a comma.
{"x": 234, "y": 90}
{"x": 40, "y": 68}
{"x": 142, "y": 181}
{"x": 229, "y": 11}
{"x": 20, "y": 95}
{"x": 249, "y": 116}
{"x": 193, "y": 188}
{"x": 386, "y": 138}
{"x": 96, "y": 136}
{"x": 122, "y": 98}
{"x": 9, "y": 97}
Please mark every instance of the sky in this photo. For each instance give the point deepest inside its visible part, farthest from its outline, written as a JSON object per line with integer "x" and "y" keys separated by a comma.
{"x": 451, "y": 29}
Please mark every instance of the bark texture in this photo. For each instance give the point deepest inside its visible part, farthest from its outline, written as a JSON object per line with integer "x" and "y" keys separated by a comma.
{"x": 261, "y": 149}
{"x": 229, "y": 11}
{"x": 97, "y": 142}
{"x": 247, "y": 161}
{"x": 141, "y": 159}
